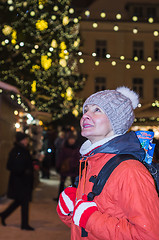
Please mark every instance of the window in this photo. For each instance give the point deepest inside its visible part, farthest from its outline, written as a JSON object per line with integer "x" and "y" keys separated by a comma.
{"x": 138, "y": 86}
{"x": 156, "y": 51}
{"x": 143, "y": 11}
{"x": 138, "y": 11}
{"x": 101, "y": 48}
{"x": 156, "y": 88}
{"x": 138, "y": 50}
{"x": 100, "y": 84}
{"x": 151, "y": 12}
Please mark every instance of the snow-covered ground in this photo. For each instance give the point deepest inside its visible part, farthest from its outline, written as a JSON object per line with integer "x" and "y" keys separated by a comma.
{"x": 43, "y": 216}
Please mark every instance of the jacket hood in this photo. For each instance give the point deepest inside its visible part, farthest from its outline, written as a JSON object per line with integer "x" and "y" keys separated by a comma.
{"x": 127, "y": 143}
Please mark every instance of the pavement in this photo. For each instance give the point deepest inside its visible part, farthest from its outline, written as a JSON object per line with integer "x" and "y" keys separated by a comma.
{"x": 43, "y": 216}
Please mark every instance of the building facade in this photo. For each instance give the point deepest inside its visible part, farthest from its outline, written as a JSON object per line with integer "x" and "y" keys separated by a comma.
{"x": 120, "y": 46}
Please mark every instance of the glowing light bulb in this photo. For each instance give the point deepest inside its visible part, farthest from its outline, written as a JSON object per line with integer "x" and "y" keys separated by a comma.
{"x": 155, "y": 33}
{"x": 71, "y": 10}
{"x": 55, "y": 8}
{"x": 128, "y": 66}
{"x": 135, "y": 30}
{"x": 94, "y": 54}
{"x": 122, "y": 58}
{"x": 113, "y": 63}
{"x": 135, "y": 18}
{"x": 150, "y": 20}
{"x": 118, "y": 16}
{"x": 95, "y": 25}
{"x": 143, "y": 67}
{"x": 80, "y": 53}
{"x": 81, "y": 60}
{"x": 103, "y": 14}
{"x": 16, "y": 112}
{"x": 87, "y": 13}
{"x": 97, "y": 63}
{"x": 149, "y": 59}
{"x": 17, "y": 125}
{"x": 116, "y": 28}
{"x": 136, "y": 58}
{"x": 75, "y": 20}
{"x": 32, "y": 13}
{"x": 108, "y": 55}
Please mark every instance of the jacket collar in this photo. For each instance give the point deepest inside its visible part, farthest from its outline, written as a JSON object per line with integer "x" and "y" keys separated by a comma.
{"x": 127, "y": 143}
{"x": 87, "y": 146}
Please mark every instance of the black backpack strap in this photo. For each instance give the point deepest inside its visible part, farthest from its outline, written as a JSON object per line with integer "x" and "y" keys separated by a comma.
{"x": 105, "y": 172}
{"x": 154, "y": 170}
{"x": 100, "y": 180}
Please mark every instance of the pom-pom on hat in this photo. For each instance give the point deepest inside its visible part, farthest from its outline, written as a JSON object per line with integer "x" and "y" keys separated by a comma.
{"x": 118, "y": 105}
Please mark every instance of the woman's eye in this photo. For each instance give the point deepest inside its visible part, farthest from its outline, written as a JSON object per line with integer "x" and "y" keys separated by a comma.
{"x": 85, "y": 110}
{"x": 97, "y": 110}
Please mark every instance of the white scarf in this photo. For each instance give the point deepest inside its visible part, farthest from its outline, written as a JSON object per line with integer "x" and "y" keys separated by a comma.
{"x": 87, "y": 146}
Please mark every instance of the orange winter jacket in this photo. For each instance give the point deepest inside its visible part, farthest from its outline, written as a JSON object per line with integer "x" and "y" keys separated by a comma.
{"x": 128, "y": 206}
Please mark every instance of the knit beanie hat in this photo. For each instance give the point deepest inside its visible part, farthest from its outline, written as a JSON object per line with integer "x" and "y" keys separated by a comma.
{"x": 20, "y": 136}
{"x": 118, "y": 105}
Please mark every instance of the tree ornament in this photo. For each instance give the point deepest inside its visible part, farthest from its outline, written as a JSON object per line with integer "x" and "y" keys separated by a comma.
{"x": 46, "y": 62}
{"x": 41, "y": 25}
{"x": 54, "y": 43}
{"x": 7, "y": 30}
{"x": 65, "y": 20}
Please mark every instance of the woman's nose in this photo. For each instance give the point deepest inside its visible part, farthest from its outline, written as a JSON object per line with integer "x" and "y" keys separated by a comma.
{"x": 86, "y": 115}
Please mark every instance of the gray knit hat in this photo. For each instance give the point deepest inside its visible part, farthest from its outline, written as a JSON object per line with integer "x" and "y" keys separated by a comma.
{"x": 118, "y": 105}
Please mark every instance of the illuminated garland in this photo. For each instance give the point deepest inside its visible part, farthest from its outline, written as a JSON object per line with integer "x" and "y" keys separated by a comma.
{"x": 16, "y": 99}
{"x": 155, "y": 106}
{"x": 118, "y": 17}
{"x": 119, "y": 24}
{"x": 120, "y": 60}
{"x": 145, "y": 120}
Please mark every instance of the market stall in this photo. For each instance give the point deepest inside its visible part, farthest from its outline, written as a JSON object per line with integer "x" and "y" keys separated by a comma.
{"x": 147, "y": 117}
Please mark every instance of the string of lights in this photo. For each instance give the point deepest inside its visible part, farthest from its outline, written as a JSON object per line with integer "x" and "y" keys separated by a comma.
{"x": 127, "y": 62}
{"x": 16, "y": 99}
{"x": 120, "y": 24}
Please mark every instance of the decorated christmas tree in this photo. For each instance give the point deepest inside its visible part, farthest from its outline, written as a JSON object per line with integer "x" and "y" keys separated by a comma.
{"x": 38, "y": 53}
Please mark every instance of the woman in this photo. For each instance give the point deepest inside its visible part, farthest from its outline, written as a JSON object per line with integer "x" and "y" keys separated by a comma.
{"x": 128, "y": 206}
{"x": 68, "y": 161}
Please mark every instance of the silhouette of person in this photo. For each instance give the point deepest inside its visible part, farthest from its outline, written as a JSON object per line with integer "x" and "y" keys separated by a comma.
{"x": 68, "y": 161}
{"x": 21, "y": 180}
{"x": 57, "y": 144}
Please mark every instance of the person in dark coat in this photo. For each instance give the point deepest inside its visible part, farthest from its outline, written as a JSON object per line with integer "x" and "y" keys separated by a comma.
{"x": 58, "y": 144}
{"x": 21, "y": 180}
{"x": 68, "y": 161}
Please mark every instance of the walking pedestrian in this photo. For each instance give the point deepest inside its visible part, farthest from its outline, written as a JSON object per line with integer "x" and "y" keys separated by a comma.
{"x": 21, "y": 180}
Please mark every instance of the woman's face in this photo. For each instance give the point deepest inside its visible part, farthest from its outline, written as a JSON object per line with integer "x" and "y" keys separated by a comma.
{"x": 94, "y": 123}
{"x": 71, "y": 141}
